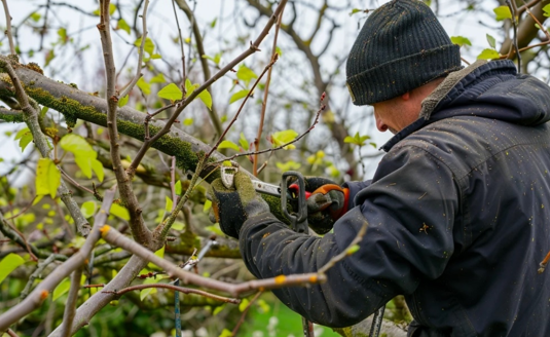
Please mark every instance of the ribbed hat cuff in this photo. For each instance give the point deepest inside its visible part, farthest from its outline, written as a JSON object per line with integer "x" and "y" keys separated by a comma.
{"x": 402, "y": 75}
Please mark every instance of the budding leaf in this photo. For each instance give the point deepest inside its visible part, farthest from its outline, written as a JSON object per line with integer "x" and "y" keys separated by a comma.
{"x": 144, "y": 86}
{"x": 158, "y": 79}
{"x": 488, "y": 54}
{"x": 243, "y": 142}
{"x": 170, "y": 92}
{"x": 502, "y": 13}
{"x": 227, "y": 144}
{"x": 25, "y": 137}
{"x": 124, "y": 26}
{"x": 238, "y": 96}
{"x": 246, "y": 74}
{"x": 284, "y": 137}
{"x": 9, "y": 264}
{"x": 460, "y": 40}
{"x": 206, "y": 99}
{"x": 546, "y": 10}
{"x": 120, "y": 211}
{"x": 352, "y": 250}
{"x": 88, "y": 209}
{"x": 123, "y": 101}
{"x": 491, "y": 41}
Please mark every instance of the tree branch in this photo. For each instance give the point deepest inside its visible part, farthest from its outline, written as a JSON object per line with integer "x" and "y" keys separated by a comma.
{"x": 70, "y": 306}
{"x": 8, "y": 26}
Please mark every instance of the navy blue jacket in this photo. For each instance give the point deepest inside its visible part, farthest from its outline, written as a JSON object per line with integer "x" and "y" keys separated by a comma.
{"x": 458, "y": 217}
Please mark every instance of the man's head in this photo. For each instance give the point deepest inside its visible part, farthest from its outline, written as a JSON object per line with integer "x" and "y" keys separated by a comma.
{"x": 401, "y": 47}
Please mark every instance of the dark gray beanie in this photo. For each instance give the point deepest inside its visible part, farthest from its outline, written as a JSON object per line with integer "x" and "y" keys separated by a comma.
{"x": 402, "y": 46}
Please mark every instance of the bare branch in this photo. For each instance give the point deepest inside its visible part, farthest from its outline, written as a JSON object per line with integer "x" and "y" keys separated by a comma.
{"x": 136, "y": 78}
{"x": 245, "y": 311}
{"x": 70, "y": 306}
{"x": 8, "y": 25}
{"x": 140, "y": 232}
{"x": 39, "y": 269}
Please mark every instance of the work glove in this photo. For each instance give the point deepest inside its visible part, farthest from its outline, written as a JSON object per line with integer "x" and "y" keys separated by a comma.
{"x": 233, "y": 206}
{"x": 326, "y": 203}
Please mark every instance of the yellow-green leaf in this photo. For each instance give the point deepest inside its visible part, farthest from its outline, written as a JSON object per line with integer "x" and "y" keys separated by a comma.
{"x": 502, "y": 13}
{"x": 48, "y": 177}
{"x": 243, "y": 142}
{"x": 144, "y": 86}
{"x": 112, "y": 9}
{"x": 168, "y": 204}
{"x": 177, "y": 187}
{"x": 170, "y": 92}
{"x": 288, "y": 166}
{"x": 488, "y": 54}
{"x": 77, "y": 145}
{"x": 88, "y": 208}
{"x": 25, "y": 137}
{"x": 8, "y": 264}
{"x": 206, "y": 99}
{"x": 178, "y": 226}
{"x": 188, "y": 121}
{"x": 149, "y": 46}
{"x": 246, "y": 74}
{"x": 158, "y": 79}
{"x": 460, "y": 40}
{"x": 226, "y": 333}
{"x": 218, "y": 309}
{"x": 189, "y": 88}
{"x": 120, "y": 211}
{"x": 227, "y": 144}
{"x": 97, "y": 167}
{"x": 243, "y": 305}
{"x": 491, "y": 41}
{"x": 36, "y": 16}
{"x": 207, "y": 205}
{"x": 64, "y": 286}
{"x": 85, "y": 164}
{"x": 123, "y": 101}
{"x": 238, "y": 96}
{"x": 283, "y": 137}
{"x": 146, "y": 292}
{"x": 352, "y": 250}
{"x": 124, "y": 26}
{"x": 546, "y": 10}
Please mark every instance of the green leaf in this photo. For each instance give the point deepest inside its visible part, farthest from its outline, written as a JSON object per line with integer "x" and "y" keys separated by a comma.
{"x": 213, "y": 23}
{"x": 488, "y": 54}
{"x": 188, "y": 121}
{"x": 160, "y": 252}
{"x": 491, "y": 41}
{"x": 25, "y": 137}
{"x": 288, "y": 166}
{"x": 8, "y": 264}
{"x": 158, "y": 79}
{"x": 207, "y": 206}
{"x": 168, "y": 204}
{"x": 123, "y": 101}
{"x": 546, "y": 10}
{"x": 215, "y": 228}
{"x": 62, "y": 32}
{"x": 189, "y": 87}
{"x": 97, "y": 167}
{"x": 238, "y": 96}
{"x": 355, "y": 11}
{"x": 36, "y": 16}
{"x": 206, "y": 99}
{"x": 123, "y": 25}
{"x": 246, "y": 74}
{"x": 50, "y": 55}
{"x": 227, "y": 144}
{"x": 226, "y": 333}
{"x": 243, "y": 142}
{"x": 77, "y": 145}
{"x": 61, "y": 288}
{"x": 146, "y": 292}
{"x": 244, "y": 304}
{"x": 502, "y": 13}
{"x": 278, "y": 51}
{"x": 170, "y": 92}
{"x": 178, "y": 226}
{"x": 177, "y": 187}
{"x": 218, "y": 309}
{"x": 120, "y": 211}
{"x": 283, "y": 137}
{"x": 356, "y": 139}
{"x": 460, "y": 40}
{"x": 156, "y": 56}
{"x": 149, "y": 46}
{"x": 88, "y": 209}
{"x": 48, "y": 177}
{"x": 85, "y": 164}
{"x": 144, "y": 86}
{"x": 352, "y": 250}
{"x": 112, "y": 9}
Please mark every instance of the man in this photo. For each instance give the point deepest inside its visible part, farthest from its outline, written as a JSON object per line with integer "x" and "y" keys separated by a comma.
{"x": 458, "y": 210}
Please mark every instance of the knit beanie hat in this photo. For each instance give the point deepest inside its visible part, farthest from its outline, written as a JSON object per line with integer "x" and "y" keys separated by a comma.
{"x": 401, "y": 46}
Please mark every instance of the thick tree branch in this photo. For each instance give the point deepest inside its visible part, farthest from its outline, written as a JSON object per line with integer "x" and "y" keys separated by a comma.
{"x": 70, "y": 306}
{"x": 526, "y": 29}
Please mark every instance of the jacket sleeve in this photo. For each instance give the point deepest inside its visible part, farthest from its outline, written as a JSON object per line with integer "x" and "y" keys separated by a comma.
{"x": 354, "y": 188}
{"x": 409, "y": 210}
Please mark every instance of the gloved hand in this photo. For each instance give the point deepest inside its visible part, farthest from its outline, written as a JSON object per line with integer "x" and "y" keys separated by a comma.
{"x": 326, "y": 204}
{"x": 233, "y": 206}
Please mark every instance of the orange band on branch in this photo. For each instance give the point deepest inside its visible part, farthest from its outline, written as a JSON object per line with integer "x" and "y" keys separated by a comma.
{"x": 280, "y": 279}
{"x": 104, "y": 229}
{"x": 313, "y": 279}
{"x": 44, "y": 294}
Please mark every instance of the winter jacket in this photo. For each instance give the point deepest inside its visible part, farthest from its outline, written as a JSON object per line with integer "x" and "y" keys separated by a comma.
{"x": 458, "y": 216}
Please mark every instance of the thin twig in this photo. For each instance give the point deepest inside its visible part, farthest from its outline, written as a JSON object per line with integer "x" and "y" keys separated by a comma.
{"x": 138, "y": 75}
{"x": 214, "y": 148}
{"x": 178, "y": 289}
{"x": 70, "y": 306}
{"x": 321, "y": 109}
{"x": 11, "y": 333}
{"x": 114, "y": 237}
{"x": 23, "y": 210}
{"x": 274, "y": 56}
{"x": 183, "y": 72}
{"x": 345, "y": 253}
{"x": 513, "y": 10}
{"x": 5, "y": 228}
{"x": 245, "y": 311}
{"x": 39, "y": 269}
{"x": 8, "y": 26}
{"x": 254, "y": 47}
